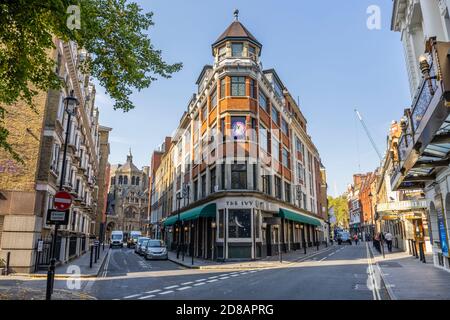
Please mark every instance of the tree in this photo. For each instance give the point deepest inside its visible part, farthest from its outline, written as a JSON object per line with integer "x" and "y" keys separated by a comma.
{"x": 340, "y": 208}
{"x": 121, "y": 55}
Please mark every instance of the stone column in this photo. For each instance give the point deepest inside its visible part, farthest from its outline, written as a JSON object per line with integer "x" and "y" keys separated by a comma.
{"x": 432, "y": 23}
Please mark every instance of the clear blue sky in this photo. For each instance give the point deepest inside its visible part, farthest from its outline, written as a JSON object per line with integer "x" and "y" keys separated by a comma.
{"x": 323, "y": 52}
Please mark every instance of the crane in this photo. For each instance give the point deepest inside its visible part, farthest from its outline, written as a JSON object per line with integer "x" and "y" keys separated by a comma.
{"x": 368, "y": 134}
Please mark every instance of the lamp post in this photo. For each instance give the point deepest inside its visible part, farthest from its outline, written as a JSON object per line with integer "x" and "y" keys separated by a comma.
{"x": 425, "y": 69}
{"x": 70, "y": 107}
{"x": 371, "y": 213}
{"x": 180, "y": 232}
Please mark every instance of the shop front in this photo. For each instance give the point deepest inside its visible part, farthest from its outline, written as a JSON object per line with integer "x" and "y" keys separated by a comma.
{"x": 241, "y": 228}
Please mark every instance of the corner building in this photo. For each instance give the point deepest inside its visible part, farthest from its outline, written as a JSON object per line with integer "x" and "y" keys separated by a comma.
{"x": 248, "y": 180}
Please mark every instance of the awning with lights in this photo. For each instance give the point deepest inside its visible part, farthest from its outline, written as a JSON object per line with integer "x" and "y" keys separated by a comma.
{"x": 299, "y": 217}
{"x": 207, "y": 210}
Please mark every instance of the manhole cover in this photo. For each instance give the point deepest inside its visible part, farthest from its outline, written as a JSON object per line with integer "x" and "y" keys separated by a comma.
{"x": 390, "y": 264}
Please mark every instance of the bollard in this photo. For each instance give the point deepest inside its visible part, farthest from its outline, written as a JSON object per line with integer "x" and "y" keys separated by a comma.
{"x": 103, "y": 243}
{"x": 326, "y": 244}
{"x": 422, "y": 253}
{"x": 92, "y": 253}
{"x": 318, "y": 245}
{"x": 8, "y": 256}
{"x": 304, "y": 247}
{"x": 98, "y": 252}
{"x": 95, "y": 254}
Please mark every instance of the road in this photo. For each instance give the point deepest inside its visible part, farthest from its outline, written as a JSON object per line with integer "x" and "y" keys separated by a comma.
{"x": 339, "y": 273}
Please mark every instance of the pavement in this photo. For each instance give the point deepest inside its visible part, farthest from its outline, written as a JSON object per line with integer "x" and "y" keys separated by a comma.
{"x": 268, "y": 262}
{"x": 407, "y": 278}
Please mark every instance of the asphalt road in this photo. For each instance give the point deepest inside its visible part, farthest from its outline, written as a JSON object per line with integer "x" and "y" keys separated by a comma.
{"x": 340, "y": 273}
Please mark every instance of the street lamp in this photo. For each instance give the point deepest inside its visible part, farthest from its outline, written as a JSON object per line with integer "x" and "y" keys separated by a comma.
{"x": 426, "y": 69}
{"x": 371, "y": 212}
{"x": 70, "y": 107}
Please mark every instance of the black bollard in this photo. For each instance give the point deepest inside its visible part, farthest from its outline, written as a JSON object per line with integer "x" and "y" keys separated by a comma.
{"x": 304, "y": 247}
{"x": 8, "y": 256}
{"x": 91, "y": 257}
{"x": 318, "y": 245}
{"x": 95, "y": 254}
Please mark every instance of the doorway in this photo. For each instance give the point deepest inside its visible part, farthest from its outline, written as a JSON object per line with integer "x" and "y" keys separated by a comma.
{"x": 269, "y": 240}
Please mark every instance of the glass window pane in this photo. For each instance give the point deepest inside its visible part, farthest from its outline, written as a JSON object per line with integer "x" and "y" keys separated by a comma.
{"x": 239, "y": 223}
{"x": 236, "y": 49}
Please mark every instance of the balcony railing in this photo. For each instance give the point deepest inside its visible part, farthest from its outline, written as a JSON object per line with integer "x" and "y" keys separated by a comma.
{"x": 423, "y": 99}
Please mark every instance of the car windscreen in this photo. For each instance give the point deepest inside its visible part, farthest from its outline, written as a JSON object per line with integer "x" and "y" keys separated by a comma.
{"x": 116, "y": 236}
{"x": 156, "y": 243}
{"x": 144, "y": 243}
{"x": 141, "y": 240}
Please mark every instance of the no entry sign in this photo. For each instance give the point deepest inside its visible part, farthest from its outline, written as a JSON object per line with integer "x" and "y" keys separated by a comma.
{"x": 62, "y": 201}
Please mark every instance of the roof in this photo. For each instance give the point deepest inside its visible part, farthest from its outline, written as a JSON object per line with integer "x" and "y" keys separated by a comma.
{"x": 236, "y": 31}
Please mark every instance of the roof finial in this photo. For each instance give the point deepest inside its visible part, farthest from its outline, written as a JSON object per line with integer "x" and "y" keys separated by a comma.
{"x": 236, "y": 14}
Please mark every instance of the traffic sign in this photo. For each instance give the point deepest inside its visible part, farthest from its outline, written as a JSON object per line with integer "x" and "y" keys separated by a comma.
{"x": 57, "y": 217}
{"x": 63, "y": 200}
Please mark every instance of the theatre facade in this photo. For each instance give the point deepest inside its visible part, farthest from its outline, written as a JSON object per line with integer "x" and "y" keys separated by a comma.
{"x": 246, "y": 180}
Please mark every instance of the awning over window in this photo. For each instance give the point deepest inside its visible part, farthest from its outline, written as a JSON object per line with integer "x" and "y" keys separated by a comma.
{"x": 299, "y": 217}
{"x": 207, "y": 210}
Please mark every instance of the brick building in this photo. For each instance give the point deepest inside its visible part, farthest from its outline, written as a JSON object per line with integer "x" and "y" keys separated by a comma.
{"x": 246, "y": 175}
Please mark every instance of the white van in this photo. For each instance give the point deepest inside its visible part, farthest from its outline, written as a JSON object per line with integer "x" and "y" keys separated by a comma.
{"x": 117, "y": 239}
{"x": 134, "y": 235}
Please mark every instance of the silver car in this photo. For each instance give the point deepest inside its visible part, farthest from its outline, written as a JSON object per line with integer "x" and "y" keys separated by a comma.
{"x": 138, "y": 244}
{"x": 155, "y": 249}
{"x": 142, "y": 247}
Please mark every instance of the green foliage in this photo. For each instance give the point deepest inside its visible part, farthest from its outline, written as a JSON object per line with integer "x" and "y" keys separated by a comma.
{"x": 122, "y": 56}
{"x": 340, "y": 208}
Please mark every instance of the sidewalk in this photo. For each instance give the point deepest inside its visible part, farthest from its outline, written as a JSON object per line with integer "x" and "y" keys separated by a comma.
{"x": 407, "y": 278}
{"x": 268, "y": 262}
{"x": 67, "y": 270}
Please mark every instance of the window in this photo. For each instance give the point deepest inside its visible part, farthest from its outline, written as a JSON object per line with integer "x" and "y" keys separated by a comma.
{"x": 221, "y": 226}
{"x": 263, "y": 101}
{"x": 238, "y": 176}
{"x": 299, "y": 145}
{"x": 120, "y": 180}
{"x": 278, "y": 187}
{"x": 239, "y": 223}
{"x": 253, "y": 88}
{"x": 214, "y": 98}
{"x": 125, "y": 180}
{"x": 187, "y": 164}
{"x": 284, "y": 127}
{"x": 275, "y": 149}
{"x": 285, "y": 158}
{"x": 275, "y": 115}
{"x": 257, "y": 224}
{"x": 204, "y": 186}
{"x": 236, "y": 49}
{"x": 195, "y": 190}
{"x": 212, "y": 136}
{"x": 278, "y": 89}
{"x": 213, "y": 180}
{"x": 222, "y": 52}
{"x": 133, "y": 180}
{"x": 222, "y": 88}
{"x": 266, "y": 184}
{"x": 304, "y": 201}
{"x": 263, "y": 139}
{"x": 238, "y": 128}
{"x": 300, "y": 173}
{"x": 252, "y": 52}
{"x": 222, "y": 128}
{"x": 287, "y": 192}
{"x": 204, "y": 112}
{"x": 238, "y": 86}
{"x": 196, "y": 155}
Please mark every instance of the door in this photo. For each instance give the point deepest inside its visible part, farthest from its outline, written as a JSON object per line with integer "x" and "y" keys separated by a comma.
{"x": 269, "y": 240}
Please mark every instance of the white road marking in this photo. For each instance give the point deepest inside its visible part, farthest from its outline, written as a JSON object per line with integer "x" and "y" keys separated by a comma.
{"x": 199, "y": 284}
{"x": 213, "y": 280}
{"x": 223, "y": 278}
{"x": 234, "y": 275}
{"x": 166, "y": 292}
{"x": 213, "y": 277}
{"x": 185, "y": 283}
{"x": 132, "y": 296}
{"x": 146, "y": 297}
{"x": 184, "y": 288}
{"x": 153, "y": 291}
{"x": 171, "y": 287}
{"x": 200, "y": 280}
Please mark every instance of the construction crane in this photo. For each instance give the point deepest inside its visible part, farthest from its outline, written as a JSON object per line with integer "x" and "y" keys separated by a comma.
{"x": 368, "y": 134}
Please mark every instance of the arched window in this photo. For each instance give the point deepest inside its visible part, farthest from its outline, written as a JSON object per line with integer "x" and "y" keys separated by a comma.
{"x": 113, "y": 181}
{"x": 132, "y": 180}
{"x": 120, "y": 179}
{"x": 137, "y": 181}
{"x": 125, "y": 180}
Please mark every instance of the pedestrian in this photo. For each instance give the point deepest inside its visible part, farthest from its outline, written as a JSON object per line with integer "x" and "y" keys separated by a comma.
{"x": 388, "y": 236}
{"x": 376, "y": 242}
{"x": 355, "y": 238}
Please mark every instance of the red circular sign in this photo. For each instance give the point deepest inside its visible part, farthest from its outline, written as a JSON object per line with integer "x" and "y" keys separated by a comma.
{"x": 63, "y": 200}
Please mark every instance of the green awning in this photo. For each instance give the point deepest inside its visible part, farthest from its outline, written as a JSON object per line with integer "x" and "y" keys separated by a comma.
{"x": 299, "y": 217}
{"x": 207, "y": 210}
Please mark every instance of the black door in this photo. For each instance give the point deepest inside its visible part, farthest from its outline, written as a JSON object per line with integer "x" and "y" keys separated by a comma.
{"x": 269, "y": 240}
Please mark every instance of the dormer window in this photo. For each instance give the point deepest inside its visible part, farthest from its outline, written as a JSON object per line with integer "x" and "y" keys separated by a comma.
{"x": 237, "y": 49}
{"x": 252, "y": 52}
{"x": 222, "y": 53}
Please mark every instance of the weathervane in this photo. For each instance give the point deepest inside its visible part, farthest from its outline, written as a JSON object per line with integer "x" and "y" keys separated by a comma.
{"x": 236, "y": 14}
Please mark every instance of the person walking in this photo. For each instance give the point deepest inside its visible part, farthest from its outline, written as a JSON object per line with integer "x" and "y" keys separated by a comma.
{"x": 355, "y": 238}
{"x": 388, "y": 237}
{"x": 376, "y": 242}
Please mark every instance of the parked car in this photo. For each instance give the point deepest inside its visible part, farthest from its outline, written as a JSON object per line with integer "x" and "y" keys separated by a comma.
{"x": 134, "y": 235}
{"x": 117, "y": 239}
{"x": 155, "y": 249}
{"x": 138, "y": 243}
{"x": 141, "y": 249}
{"x": 344, "y": 236}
